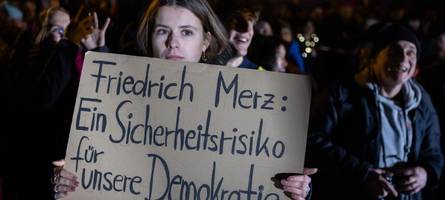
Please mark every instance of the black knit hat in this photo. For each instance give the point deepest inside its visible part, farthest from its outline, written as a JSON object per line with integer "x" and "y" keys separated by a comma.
{"x": 390, "y": 34}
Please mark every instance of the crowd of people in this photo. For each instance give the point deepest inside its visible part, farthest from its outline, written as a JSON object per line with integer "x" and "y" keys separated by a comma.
{"x": 377, "y": 68}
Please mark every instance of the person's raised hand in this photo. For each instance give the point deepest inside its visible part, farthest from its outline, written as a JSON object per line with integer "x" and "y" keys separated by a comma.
{"x": 97, "y": 36}
{"x": 79, "y": 28}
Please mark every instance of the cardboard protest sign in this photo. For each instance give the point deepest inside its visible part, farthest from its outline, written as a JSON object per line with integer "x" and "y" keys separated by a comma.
{"x": 146, "y": 128}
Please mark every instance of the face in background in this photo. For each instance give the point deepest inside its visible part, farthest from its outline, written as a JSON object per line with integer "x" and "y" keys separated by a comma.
{"x": 178, "y": 35}
{"x": 241, "y": 40}
{"x": 264, "y": 28}
{"x": 396, "y": 63}
{"x": 280, "y": 62}
{"x": 309, "y": 28}
{"x": 286, "y": 34}
{"x": 441, "y": 45}
{"x": 58, "y": 23}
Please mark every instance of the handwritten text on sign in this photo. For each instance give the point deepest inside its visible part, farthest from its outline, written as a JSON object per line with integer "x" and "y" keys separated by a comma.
{"x": 146, "y": 128}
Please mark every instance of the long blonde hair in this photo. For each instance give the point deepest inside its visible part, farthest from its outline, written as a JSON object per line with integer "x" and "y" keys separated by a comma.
{"x": 46, "y": 22}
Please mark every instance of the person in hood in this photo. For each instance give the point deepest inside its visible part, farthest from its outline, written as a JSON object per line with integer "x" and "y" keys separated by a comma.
{"x": 376, "y": 136}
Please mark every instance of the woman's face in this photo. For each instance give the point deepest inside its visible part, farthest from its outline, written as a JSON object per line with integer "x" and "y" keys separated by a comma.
{"x": 57, "y": 26}
{"x": 280, "y": 63}
{"x": 178, "y": 35}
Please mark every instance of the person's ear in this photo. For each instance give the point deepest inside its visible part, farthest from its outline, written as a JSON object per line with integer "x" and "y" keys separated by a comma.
{"x": 207, "y": 41}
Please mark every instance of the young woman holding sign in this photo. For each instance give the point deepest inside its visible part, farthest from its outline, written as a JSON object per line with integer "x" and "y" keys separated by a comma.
{"x": 182, "y": 30}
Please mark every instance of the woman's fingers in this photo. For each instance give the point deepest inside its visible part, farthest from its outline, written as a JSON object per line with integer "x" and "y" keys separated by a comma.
{"x": 68, "y": 182}
{"x": 297, "y": 185}
{"x": 65, "y": 182}
{"x": 67, "y": 174}
{"x": 63, "y": 188}
{"x": 299, "y": 178}
{"x": 95, "y": 20}
{"x": 105, "y": 27}
{"x": 297, "y": 197}
{"x": 309, "y": 171}
{"x": 60, "y": 195}
{"x": 59, "y": 163}
{"x": 296, "y": 191}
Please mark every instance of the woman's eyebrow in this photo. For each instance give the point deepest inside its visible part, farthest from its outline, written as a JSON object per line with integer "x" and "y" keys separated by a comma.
{"x": 162, "y": 25}
{"x": 188, "y": 26}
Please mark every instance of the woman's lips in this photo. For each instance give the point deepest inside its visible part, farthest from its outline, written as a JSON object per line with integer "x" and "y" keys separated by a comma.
{"x": 174, "y": 57}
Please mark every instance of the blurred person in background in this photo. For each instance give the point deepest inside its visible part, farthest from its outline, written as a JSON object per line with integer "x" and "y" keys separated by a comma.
{"x": 240, "y": 27}
{"x": 376, "y": 135}
{"x": 270, "y": 53}
{"x": 42, "y": 101}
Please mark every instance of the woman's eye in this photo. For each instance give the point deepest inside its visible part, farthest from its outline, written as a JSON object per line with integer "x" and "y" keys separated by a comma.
{"x": 161, "y": 32}
{"x": 187, "y": 32}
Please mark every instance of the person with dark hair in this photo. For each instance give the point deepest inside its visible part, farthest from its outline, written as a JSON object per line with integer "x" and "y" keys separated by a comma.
{"x": 240, "y": 26}
{"x": 293, "y": 52}
{"x": 376, "y": 136}
{"x": 269, "y": 52}
{"x": 182, "y": 30}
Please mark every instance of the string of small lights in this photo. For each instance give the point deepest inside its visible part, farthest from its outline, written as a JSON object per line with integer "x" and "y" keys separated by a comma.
{"x": 309, "y": 44}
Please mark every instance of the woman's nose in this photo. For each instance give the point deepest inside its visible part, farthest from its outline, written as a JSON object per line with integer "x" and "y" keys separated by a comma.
{"x": 172, "y": 42}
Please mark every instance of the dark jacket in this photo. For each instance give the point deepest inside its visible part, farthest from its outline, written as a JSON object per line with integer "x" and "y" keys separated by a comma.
{"x": 344, "y": 137}
{"x": 39, "y": 84}
{"x": 247, "y": 64}
{"x": 434, "y": 82}
{"x": 55, "y": 83}
{"x": 44, "y": 99}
